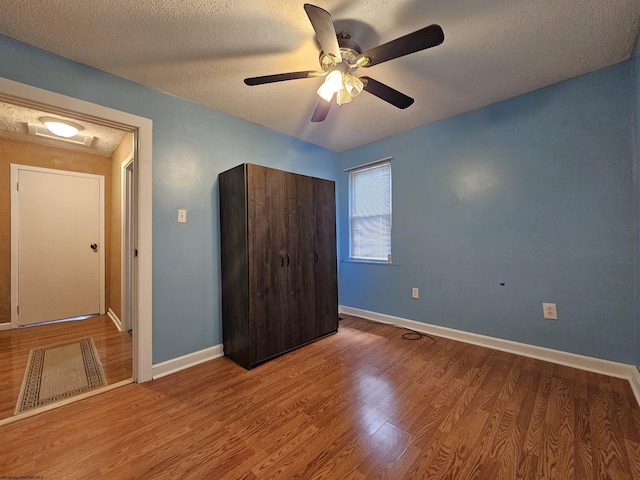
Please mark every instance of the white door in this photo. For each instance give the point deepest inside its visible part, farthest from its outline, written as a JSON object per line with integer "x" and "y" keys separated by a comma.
{"x": 59, "y": 254}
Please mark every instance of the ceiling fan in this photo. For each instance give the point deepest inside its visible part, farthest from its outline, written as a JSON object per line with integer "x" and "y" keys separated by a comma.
{"x": 340, "y": 56}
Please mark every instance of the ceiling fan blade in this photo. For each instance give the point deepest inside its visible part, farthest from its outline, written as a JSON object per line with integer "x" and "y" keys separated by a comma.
{"x": 321, "y": 111}
{"x": 386, "y": 93}
{"x": 424, "y": 38}
{"x": 325, "y": 31}
{"x": 280, "y": 77}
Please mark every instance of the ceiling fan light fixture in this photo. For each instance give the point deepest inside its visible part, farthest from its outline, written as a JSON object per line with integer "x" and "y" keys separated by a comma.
{"x": 353, "y": 84}
{"x": 326, "y": 92}
{"x": 332, "y": 84}
{"x": 343, "y": 96}
{"x": 61, "y": 128}
{"x": 339, "y": 56}
{"x": 327, "y": 61}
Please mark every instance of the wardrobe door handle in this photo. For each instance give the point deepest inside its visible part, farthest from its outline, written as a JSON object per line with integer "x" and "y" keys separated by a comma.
{"x": 281, "y": 260}
{"x": 288, "y": 259}
{"x": 315, "y": 256}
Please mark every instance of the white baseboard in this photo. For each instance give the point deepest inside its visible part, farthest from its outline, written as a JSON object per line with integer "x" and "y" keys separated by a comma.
{"x": 634, "y": 381}
{"x": 590, "y": 364}
{"x": 115, "y": 319}
{"x": 174, "y": 365}
{"x": 5, "y": 326}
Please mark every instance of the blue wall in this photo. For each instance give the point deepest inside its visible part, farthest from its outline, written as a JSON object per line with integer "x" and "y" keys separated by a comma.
{"x": 535, "y": 192}
{"x": 191, "y": 146}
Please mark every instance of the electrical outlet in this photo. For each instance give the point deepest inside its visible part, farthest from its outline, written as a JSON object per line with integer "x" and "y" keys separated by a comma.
{"x": 549, "y": 310}
{"x": 414, "y": 293}
{"x": 182, "y": 216}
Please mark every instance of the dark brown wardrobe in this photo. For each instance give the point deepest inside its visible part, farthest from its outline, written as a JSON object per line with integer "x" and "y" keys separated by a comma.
{"x": 278, "y": 260}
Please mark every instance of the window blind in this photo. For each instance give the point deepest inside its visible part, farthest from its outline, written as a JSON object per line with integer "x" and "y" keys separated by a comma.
{"x": 370, "y": 212}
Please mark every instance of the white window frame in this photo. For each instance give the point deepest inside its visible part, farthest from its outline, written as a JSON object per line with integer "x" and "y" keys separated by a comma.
{"x": 355, "y": 170}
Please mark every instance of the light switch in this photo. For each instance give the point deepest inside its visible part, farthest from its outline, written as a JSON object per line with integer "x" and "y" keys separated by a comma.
{"x": 182, "y": 216}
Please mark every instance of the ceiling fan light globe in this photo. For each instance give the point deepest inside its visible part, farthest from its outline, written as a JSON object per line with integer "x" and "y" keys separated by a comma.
{"x": 334, "y": 80}
{"x": 353, "y": 84}
{"x": 326, "y": 92}
{"x": 331, "y": 85}
{"x": 343, "y": 96}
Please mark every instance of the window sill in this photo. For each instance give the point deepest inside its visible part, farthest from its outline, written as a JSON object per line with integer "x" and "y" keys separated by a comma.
{"x": 372, "y": 262}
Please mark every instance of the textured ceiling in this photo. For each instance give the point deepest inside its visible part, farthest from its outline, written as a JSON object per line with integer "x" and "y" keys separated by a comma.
{"x": 14, "y": 122}
{"x": 202, "y": 50}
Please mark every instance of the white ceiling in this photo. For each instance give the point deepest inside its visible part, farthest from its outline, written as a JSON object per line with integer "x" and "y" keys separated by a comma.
{"x": 202, "y": 50}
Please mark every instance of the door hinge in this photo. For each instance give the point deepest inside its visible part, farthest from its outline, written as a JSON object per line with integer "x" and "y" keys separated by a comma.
{"x": 18, "y": 187}
{"x": 18, "y": 309}
{"x": 135, "y": 252}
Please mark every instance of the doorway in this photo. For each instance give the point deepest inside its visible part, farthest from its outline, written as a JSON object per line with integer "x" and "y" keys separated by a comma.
{"x": 59, "y": 221}
{"x": 140, "y": 178}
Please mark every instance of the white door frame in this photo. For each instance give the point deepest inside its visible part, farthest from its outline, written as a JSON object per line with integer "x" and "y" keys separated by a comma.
{"x": 44, "y": 100}
{"x": 15, "y": 170}
{"x": 128, "y": 243}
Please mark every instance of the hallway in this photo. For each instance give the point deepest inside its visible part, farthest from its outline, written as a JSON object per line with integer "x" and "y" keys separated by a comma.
{"x": 114, "y": 349}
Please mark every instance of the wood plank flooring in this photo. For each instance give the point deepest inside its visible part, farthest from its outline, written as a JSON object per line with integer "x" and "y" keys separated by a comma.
{"x": 114, "y": 349}
{"x": 360, "y": 404}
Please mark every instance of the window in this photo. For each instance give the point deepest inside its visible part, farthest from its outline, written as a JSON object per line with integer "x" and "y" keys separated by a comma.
{"x": 370, "y": 212}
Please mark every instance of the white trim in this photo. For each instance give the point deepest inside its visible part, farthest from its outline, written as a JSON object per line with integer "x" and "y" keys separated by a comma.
{"x": 13, "y": 179}
{"x": 190, "y": 360}
{"x": 590, "y": 364}
{"x": 114, "y": 318}
{"x": 66, "y": 401}
{"x": 634, "y": 381}
{"x": 26, "y": 95}
{"x": 5, "y": 326}
{"x": 126, "y": 249}
{"x": 369, "y": 164}
{"x": 144, "y": 280}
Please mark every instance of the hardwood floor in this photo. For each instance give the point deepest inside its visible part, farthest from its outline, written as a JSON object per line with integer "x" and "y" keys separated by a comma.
{"x": 359, "y": 404}
{"x": 114, "y": 349}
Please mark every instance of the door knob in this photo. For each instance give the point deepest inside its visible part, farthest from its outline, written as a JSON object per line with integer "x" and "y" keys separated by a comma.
{"x": 94, "y": 246}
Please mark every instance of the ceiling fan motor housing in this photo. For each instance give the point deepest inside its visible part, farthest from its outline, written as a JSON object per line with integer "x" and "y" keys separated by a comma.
{"x": 349, "y": 50}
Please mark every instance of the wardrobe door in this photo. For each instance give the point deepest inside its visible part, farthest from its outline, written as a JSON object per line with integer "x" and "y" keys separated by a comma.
{"x": 300, "y": 266}
{"x": 325, "y": 257}
{"x": 267, "y": 262}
